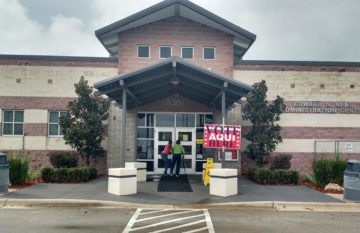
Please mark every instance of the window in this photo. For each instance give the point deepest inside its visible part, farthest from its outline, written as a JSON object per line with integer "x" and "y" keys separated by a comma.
{"x": 209, "y": 54}
{"x": 165, "y": 51}
{"x": 54, "y": 126}
{"x": 187, "y": 52}
{"x": 292, "y": 85}
{"x": 143, "y": 51}
{"x": 13, "y": 123}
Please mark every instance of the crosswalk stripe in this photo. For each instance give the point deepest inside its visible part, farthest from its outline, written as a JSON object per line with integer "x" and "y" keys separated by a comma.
{"x": 208, "y": 221}
{"x": 132, "y": 221}
{"x": 197, "y": 230}
{"x": 166, "y": 215}
{"x": 180, "y": 226}
{"x": 165, "y": 222}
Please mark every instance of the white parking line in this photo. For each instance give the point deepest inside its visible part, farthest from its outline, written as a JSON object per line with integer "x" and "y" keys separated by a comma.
{"x": 165, "y": 222}
{"x": 166, "y": 215}
{"x": 193, "y": 220}
{"x": 180, "y": 226}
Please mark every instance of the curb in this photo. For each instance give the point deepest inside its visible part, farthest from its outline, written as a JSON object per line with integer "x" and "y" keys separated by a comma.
{"x": 262, "y": 205}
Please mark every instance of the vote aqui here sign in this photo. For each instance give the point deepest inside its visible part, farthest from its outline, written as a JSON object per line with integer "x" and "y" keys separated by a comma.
{"x": 218, "y": 136}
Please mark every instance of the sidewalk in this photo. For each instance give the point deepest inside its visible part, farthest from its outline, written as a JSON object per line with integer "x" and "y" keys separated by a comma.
{"x": 147, "y": 193}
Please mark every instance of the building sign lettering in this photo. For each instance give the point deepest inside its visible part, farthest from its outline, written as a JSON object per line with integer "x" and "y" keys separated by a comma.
{"x": 322, "y": 107}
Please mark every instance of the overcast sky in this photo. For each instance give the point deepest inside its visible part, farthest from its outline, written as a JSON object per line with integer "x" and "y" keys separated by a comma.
{"x": 326, "y": 30}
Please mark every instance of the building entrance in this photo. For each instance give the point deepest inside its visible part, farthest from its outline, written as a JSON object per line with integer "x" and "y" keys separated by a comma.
{"x": 188, "y": 141}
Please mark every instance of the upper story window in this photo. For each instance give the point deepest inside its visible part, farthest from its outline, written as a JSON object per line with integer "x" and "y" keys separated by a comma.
{"x": 143, "y": 51}
{"x": 209, "y": 53}
{"x": 54, "y": 126}
{"x": 187, "y": 52}
{"x": 165, "y": 51}
{"x": 13, "y": 122}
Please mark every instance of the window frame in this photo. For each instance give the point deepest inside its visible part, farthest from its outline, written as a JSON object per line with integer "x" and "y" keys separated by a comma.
{"x": 188, "y": 47}
{"x": 51, "y": 123}
{"x": 165, "y": 46}
{"x": 142, "y": 45}
{"x": 13, "y": 122}
{"x": 211, "y": 59}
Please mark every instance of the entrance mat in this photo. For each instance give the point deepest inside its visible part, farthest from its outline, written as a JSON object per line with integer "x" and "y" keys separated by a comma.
{"x": 174, "y": 184}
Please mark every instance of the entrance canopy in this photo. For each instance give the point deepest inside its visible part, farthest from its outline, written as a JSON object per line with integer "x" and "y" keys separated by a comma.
{"x": 172, "y": 76}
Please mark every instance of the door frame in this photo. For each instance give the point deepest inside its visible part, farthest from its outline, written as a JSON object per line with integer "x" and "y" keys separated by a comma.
{"x": 175, "y": 131}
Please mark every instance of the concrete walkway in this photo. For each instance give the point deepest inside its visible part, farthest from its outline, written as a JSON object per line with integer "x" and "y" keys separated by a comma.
{"x": 147, "y": 193}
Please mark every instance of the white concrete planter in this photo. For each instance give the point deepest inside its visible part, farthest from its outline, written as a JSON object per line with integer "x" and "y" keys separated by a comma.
{"x": 223, "y": 182}
{"x": 122, "y": 181}
{"x": 141, "y": 170}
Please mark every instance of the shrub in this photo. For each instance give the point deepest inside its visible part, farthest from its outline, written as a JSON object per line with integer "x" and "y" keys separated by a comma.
{"x": 279, "y": 176}
{"x": 35, "y": 174}
{"x": 64, "y": 175}
{"x": 19, "y": 169}
{"x": 281, "y": 162}
{"x": 63, "y": 159}
{"x": 47, "y": 174}
{"x": 329, "y": 171}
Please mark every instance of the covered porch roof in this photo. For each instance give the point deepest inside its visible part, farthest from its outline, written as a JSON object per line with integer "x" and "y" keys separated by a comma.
{"x": 173, "y": 76}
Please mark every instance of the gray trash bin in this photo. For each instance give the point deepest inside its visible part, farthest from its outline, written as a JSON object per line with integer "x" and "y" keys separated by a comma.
{"x": 352, "y": 181}
{"x": 4, "y": 174}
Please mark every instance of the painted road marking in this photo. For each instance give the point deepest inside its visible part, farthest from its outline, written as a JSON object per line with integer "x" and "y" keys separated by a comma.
{"x": 170, "y": 220}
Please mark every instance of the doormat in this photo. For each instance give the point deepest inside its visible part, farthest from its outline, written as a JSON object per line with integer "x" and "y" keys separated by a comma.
{"x": 174, "y": 184}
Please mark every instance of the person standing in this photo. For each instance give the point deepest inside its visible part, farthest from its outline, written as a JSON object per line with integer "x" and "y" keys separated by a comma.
{"x": 164, "y": 155}
{"x": 178, "y": 151}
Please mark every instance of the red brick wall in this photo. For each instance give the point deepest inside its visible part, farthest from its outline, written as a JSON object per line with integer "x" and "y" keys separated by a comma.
{"x": 176, "y": 32}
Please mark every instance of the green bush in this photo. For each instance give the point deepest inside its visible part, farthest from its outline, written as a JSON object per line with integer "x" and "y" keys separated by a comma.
{"x": 35, "y": 174}
{"x": 63, "y": 159}
{"x": 279, "y": 176}
{"x": 281, "y": 161}
{"x": 19, "y": 169}
{"x": 68, "y": 175}
{"x": 47, "y": 174}
{"x": 329, "y": 171}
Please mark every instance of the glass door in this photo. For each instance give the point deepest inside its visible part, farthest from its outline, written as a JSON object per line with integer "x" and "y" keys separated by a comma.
{"x": 162, "y": 136}
{"x": 188, "y": 141}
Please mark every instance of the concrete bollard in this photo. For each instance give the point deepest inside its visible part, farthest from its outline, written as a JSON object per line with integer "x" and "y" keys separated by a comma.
{"x": 141, "y": 170}
{"x": 223, "y": 182}
{"x": 122, "y": 181}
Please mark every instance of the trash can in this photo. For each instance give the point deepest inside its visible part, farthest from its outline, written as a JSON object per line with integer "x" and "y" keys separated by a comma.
{"x": 4, "y": 174}
{"x": 352, "y": 181}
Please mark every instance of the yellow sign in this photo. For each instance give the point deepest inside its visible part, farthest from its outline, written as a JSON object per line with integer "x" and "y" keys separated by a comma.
{"x": 199, "y": 141}
{"x": 206, "y": 174}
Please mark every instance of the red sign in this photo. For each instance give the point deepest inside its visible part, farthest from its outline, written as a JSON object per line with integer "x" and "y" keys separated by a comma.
{"x": 217, "y": 136}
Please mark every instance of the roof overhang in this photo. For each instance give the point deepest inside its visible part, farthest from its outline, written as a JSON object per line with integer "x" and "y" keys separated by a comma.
{"x": 108, "y": 35}
{"x": 173, "y": 76}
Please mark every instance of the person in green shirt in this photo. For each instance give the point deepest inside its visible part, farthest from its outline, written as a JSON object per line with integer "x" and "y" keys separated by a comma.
{"x": 177, "y": 151}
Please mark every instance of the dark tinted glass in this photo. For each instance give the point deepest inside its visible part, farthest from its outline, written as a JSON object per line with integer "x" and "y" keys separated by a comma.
{"x": 165, "y": 120}
{"x": 141, "y": 119}
{"x": 145, "y": 132}
{"x": 185, "y": 120}
{"x": 143, "y": 51}
{"x": 209, "y": 53}
{"x": 187, "y": 52}
{"x": 165, "y": 52}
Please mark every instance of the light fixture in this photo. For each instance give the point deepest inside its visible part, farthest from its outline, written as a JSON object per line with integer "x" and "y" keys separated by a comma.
{"x": 174, "y": 80}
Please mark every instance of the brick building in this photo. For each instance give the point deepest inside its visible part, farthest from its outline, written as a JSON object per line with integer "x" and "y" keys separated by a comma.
{"x": 170, "y": 64}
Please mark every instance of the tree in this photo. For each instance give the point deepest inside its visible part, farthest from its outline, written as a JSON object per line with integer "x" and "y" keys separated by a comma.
{"x": 265, "y": 133}
{"x": 82, "y": 124}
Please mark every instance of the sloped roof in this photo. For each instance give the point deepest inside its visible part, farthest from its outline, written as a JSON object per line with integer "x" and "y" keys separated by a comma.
{"x": 173, "y": 76}
{"x": 108, "y": 35}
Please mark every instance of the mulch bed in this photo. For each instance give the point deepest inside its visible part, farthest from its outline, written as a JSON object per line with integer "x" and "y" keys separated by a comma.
{"x": 318, "y": 188}
{"x": 28, "y": 183}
